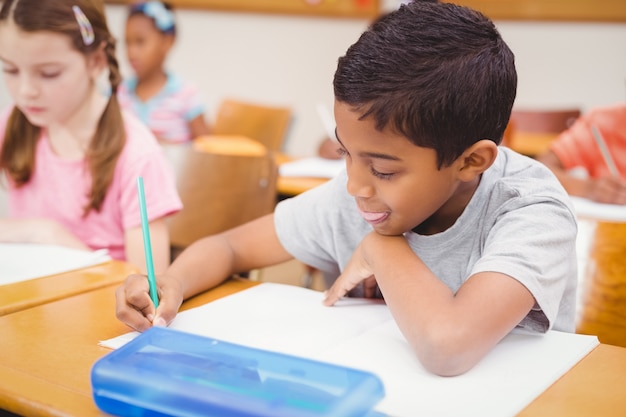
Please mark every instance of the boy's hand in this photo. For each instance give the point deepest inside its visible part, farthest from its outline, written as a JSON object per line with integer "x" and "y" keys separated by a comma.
{"x": 357, "y": 270}
{"x": 134, "y": 305}
{"x": 607, "y": 190}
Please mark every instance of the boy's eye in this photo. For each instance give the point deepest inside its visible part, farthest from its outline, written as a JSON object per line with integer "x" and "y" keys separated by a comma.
{"x": 342, "y": 152}
{"x": 381, "y": 175}
{"x": 9, "y": 70}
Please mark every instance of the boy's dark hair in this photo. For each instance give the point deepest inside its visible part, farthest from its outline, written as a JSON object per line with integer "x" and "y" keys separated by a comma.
{"x": 438, "y": 73}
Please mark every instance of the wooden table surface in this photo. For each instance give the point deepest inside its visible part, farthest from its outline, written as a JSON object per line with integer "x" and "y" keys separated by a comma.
{"x": 48, "y": 352}
{"x": 25, "y": 294}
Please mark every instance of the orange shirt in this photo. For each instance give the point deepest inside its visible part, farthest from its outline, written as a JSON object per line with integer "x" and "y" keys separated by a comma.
{"x": 576, "y": 147}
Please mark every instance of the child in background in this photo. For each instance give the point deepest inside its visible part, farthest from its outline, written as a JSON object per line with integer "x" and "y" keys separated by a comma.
{"x": 71, "y": 157}
{"x": 577, "y": 148}
{"x": 466, "y": 241}
{"x": 171, "y": 108}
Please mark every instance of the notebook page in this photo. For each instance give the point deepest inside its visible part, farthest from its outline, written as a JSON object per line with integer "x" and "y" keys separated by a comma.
{"x": 362, "y": 334}
{"x": 24, "y": 261}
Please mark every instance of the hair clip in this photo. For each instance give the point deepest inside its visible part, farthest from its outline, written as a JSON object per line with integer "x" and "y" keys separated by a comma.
{"x": 163, "y": 18}
{"x": 86, "y": 30}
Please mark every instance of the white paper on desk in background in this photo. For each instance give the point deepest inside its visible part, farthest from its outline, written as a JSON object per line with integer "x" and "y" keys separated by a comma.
{"x": 597, "y": 211}
{"x": 362, "y": 334}
{"x": 24, "y": 261}
{"x": 312, "y": 167}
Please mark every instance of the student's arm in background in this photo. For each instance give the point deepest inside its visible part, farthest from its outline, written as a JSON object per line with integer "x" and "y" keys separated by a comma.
{"x": 198, "y": 126}
{"x": 203, "y": 265}
{"x": 43, "y": 231}
{"x": 606, "y": 189}
{"x": 329, "y": 149}
{"x": 159, "y": 240}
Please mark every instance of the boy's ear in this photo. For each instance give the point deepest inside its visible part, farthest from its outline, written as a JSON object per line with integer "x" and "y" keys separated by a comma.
{"x": 476, "y": 159}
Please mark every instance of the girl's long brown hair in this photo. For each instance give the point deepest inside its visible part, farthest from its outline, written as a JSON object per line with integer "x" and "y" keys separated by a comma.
{"x": 17, "y": 155}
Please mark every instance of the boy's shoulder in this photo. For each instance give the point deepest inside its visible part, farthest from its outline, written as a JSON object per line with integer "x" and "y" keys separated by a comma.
{"x": 521, "y": 176}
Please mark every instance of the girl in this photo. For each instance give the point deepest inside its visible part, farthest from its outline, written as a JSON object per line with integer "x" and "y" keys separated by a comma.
{"x": 171, "y": 108}
{"x": 70, "y": 155}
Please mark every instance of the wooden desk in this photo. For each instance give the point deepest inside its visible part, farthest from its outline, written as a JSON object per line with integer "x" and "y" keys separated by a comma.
{"x": 25, "y": 294}
{"x": 48, "y": 352}
{"x": 291, "y": 186}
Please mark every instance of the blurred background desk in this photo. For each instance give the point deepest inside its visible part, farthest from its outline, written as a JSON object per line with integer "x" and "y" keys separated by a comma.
{"x": 33, "y": 292}
{"x": 292, "y": 186}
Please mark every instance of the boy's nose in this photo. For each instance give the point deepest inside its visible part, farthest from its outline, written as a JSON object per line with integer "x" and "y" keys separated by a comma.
{"x": 359, "y": 184}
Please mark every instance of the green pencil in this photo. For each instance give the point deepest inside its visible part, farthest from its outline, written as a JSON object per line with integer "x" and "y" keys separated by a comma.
{"x": 147, "y": 247}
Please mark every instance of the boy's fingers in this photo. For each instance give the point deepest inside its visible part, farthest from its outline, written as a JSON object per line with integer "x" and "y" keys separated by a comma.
{"x": 129, "y": 314}
{"x": 336, "y": 291}
{"x": 169, "y": 304}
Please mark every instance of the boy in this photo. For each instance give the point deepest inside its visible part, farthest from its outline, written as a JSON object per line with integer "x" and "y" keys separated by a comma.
{"x": 465, "y": 241}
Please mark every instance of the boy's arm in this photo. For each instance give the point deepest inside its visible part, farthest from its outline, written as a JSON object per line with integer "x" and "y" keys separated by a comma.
{"x": 449, "y": 332}
{"x": 203, "y": 265}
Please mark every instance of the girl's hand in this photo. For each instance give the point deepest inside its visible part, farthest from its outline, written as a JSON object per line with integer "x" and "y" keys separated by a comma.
{"x": 134, "y": 305}
{"x": 44, "y": 231}
{"x": 358, "y": 270}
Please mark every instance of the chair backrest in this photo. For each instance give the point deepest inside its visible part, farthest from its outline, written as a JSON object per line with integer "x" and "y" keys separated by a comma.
{"x": 530, "y": 132}
{"x": 266, "y": 124}
{"x": 543, "y": 121}
{"x": 219, "y": 191}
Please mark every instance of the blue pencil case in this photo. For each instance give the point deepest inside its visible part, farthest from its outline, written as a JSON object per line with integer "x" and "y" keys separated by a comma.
{"x": 164, "y": 372}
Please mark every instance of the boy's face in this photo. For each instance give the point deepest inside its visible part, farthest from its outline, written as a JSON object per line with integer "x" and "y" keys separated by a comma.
{"x": 395, "y": 183}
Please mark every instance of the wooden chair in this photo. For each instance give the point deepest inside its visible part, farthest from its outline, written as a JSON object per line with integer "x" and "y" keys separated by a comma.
{"x": 532, "y": 130}
{"x": 266, "y": 124}
{"x": 219, "y": 191}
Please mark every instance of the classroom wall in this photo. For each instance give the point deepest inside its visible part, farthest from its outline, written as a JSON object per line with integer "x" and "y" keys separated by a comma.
{"x": 290, "y": 60}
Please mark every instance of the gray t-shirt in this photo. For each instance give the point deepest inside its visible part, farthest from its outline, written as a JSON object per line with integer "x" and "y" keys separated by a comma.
{"x": 519, "y": 222}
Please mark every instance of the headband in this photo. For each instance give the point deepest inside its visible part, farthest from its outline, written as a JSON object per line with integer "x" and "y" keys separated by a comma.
{"x": 163, "y": 18}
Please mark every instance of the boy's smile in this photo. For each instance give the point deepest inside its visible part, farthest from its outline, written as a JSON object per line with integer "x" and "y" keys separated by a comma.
{"x": 396, "y": 184}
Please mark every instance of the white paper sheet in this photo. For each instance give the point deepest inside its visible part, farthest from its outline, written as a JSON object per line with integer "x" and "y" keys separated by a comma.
{"x": 362, "y": 334}
{"x": 596, "y": 211}
{"x": 23, "y": 261}
{"x": 313, "y": 167}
